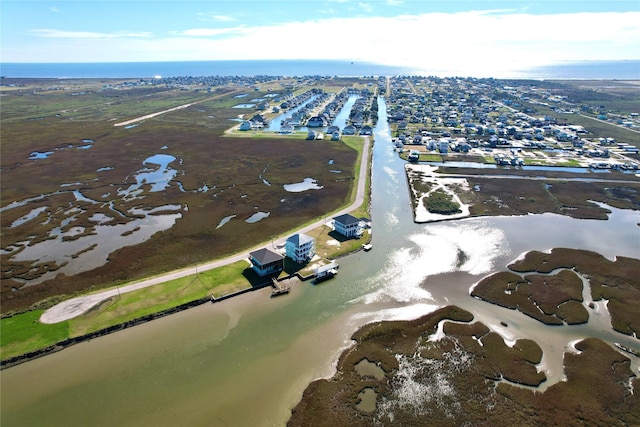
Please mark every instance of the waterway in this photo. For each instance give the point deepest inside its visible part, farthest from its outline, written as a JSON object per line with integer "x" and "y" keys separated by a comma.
{"x": 247, "y": 360}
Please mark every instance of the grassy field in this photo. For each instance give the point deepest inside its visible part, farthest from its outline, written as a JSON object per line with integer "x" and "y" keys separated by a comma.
{"x": 24, "y": 333}
{"x": 133, "y": 305}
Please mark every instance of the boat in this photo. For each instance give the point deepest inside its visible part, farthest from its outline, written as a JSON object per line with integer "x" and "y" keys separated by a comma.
{"x": 326, "y": 272}
{"x": 367, "y": 247}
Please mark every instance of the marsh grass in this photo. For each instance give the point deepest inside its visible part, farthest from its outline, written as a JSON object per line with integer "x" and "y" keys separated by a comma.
{"x": 459, "y": 381}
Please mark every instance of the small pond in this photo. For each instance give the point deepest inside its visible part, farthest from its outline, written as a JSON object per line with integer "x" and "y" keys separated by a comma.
{"x": 257, "y": 217}
{"x": 307, "y": 184}
{"x": 225, "y": 220}
{"x": 40, "y": 155}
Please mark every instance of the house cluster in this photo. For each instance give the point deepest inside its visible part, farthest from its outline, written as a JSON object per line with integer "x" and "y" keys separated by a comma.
{"x": 300, "y": 247}
{"x": 206, "y": 83}
{"x": 256, "y": 122}
{"x": 455, "y": 115}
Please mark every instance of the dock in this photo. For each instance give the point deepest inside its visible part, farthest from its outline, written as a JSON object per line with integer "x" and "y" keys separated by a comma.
{"x": 279, "y": 288}
{"x": 326, "y": 272}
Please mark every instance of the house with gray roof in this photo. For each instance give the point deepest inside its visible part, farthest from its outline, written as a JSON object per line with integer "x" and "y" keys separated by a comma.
{"x": 265, "y": 261}
{"x": 348, "y": 225}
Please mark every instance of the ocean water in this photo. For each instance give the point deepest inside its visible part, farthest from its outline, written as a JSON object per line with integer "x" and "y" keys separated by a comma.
{"x": 568, "y": 70}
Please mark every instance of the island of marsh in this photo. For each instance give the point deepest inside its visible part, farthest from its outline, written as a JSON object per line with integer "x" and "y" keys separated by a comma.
{"x": 449, "y": 371}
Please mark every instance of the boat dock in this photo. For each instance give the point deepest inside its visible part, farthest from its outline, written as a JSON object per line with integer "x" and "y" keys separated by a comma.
{"x": 279, "y": 288}
{"x": 326, "y": 272}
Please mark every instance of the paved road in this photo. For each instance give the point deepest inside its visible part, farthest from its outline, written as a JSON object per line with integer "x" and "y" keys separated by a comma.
{"x": 76, "y": 306}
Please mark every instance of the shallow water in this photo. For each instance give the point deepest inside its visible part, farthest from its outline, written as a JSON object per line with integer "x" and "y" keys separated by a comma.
{"x": 306, "y": 184}
{"x": 206, "y": 365}
{"x": 258, "y": 216}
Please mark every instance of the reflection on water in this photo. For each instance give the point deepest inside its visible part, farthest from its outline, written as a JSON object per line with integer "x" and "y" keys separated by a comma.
{"x": 79, "y": 241}
{"x": 158, "y": 178}
{"x": 40, "y": 155}
{"x": 28, "y": 217}
{"x": 307, "y": 184}
{"x": 225, "y": 220}
{"x": 257, "y": 217}
{"x": 77, "y": 249}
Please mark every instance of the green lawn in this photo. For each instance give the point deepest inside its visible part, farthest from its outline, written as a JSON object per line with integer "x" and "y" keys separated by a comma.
{"x": 153, "y": 299}
{"x": 24, "y": 333}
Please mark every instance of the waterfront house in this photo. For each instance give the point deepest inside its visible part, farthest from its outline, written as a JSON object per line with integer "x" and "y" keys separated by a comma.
{"x": 332, "y": 129}
{"x": 265, "y": 262}
{"x": 246, "y": 125}
{"x": 349, "y": 130}
{"x": 300, "y": 248}
{"x": 348, "y": 225}
{"x": 366, "y": 130}
{"x": 317, "y": 121}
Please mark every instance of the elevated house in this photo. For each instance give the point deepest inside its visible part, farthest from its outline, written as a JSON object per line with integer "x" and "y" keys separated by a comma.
{"x": 259, "y": 118}
{"x": 317, "y": 121}
{"x": 366, "y": 130}
{"x": 300, "y": 248}
{"x": 349, "y": 130}
{"x": 265, "y": 262}
{"x": 348, "y": 225}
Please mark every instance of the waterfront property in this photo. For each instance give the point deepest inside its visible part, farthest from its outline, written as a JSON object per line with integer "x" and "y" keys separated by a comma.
{"x": 348, "y": 225}
{"x": 265, "y": 261}
{"x": 300, "y": 248}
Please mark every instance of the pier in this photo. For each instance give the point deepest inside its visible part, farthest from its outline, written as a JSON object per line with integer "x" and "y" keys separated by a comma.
{"x": 280, "y": 288}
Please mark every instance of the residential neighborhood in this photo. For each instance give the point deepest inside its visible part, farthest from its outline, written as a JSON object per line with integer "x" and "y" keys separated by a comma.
{"x": 515, "y": 124}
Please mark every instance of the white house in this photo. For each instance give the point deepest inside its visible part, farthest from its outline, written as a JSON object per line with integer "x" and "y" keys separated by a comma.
{"x": 348, "y": 225}
{"x": 300, "y": 248}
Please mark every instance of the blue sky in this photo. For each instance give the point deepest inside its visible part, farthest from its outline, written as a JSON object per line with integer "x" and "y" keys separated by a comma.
{"x": 455, "y": 33}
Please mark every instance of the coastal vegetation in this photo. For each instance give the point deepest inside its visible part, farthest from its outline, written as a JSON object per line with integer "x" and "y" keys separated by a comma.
{"x": 279, "y": 158}
{"x": 559, "y": 193}
{"x": 441, "y": 203}
{"x": 614, "y": 281}
{"x": 216, "y": 176}
{"x": 465, "y": 376}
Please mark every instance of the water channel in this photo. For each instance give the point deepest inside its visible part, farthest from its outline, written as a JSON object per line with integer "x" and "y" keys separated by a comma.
{"x": 247, "y": 360}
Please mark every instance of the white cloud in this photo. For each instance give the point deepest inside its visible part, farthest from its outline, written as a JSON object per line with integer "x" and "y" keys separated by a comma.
{"x": 210, "y": 32}
{"x": 222, "y": 18}
{"x": 365, "y": 7}
{"x": 480, "y": 41}
{"x": 59, "y": 34}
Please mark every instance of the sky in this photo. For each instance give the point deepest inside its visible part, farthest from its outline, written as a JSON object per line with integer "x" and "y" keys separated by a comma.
{"x": 455, "y": 33}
